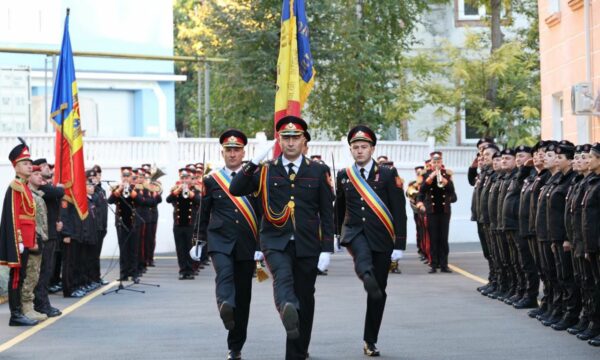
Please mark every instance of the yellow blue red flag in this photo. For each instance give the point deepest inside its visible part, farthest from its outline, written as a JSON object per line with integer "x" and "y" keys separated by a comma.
{"x": 64, "y": 114}
{"x": 295, "y": 70}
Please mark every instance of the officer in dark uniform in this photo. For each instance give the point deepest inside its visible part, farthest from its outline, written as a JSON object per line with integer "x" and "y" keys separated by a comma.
{"x": 539, "y": 180}
{"x": 502, "y": 276}
{"x": 551, "y": 286}
{"x": 127, "y": 222}
{"x": 101, "y": 221}
{"x": 369, "y": 238}
{"x": 184, "y": 198}
{"x": 52, "y": 198}
{"x": 574, "y": 231}
{"x": 507, "y": 231}
{"x": 570, "y": 296}
{"x": 513, "y": 225}
{"x": 297, "y": 199}
{"x": 591, "y": 236}
{"x": 231, "y": 230}
{"x": 435, "y": 198}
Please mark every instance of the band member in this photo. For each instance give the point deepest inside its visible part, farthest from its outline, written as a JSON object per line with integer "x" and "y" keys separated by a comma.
{"x": 435, "y": 196}
{"x": 146, "y": 201}
{"x": 230, "y": 225}
{"x": 102, "y": 221}
{"x": 297, "y": 201}
{"x": 127, "y": 222}
{"x": 155, "y": 189}
{"x": 412, "y": 192}
{"x": 184, "y": 198}
{"x": 370, "y": 200}
{"x": 17, "y": 231}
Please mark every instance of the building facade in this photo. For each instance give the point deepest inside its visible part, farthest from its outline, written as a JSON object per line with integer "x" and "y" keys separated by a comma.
{"x": 570, "y": 56}
{"x": 118, "y": 97}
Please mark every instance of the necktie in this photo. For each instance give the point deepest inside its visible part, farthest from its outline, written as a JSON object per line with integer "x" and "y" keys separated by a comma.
{"x": 233, "y": 174}
{"x": 362, "y": 173}
{"x": 291, "y": 172}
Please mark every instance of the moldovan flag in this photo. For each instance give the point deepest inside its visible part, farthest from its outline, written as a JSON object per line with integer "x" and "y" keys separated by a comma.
{"x": 295, "y": 71}
{"x": 70, "y": 169}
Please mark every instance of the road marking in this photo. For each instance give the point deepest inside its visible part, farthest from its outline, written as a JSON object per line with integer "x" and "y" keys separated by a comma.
{"x": 37, "y": 328}
{"x": 156, "y": 257}
{"x": 467, "y": 274}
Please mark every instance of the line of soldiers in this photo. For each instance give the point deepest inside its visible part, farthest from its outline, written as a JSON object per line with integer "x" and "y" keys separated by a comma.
{"x": 136, "y": 200}
{"x": 537, "y": 211}
{"x": 38, "y": 224}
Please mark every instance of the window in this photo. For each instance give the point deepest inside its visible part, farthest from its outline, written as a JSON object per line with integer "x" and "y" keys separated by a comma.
{"x": 553, "y": 6}
{"x": 557, "y": 115}
{"x": 469, "y": 134}
{"x": 469, "y": 12}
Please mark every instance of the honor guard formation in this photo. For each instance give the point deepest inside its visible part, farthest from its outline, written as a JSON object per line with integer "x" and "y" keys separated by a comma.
{"x": 536, "y": 210}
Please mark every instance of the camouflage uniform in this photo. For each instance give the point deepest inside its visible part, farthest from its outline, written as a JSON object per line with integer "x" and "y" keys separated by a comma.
{"x": 35, "y": 258}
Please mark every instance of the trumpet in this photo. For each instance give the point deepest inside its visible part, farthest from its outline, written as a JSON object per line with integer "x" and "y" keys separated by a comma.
{"x": 439, "y": 178}
{"x": 186, "y": 191}
{"x": 126, "y": 191}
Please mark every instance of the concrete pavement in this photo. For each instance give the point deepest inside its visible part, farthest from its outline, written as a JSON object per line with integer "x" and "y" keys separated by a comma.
{"x": 438, "y": 316}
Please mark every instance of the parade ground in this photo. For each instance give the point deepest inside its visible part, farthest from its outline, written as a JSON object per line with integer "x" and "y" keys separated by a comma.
{"x": 428, "y": 316}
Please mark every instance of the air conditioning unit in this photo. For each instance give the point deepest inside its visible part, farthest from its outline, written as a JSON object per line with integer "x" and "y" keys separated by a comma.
{"x": 582, "y": 100}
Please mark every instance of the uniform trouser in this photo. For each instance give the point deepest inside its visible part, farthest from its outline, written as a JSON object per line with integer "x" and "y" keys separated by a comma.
{"x": 486, "y": 251}
{"x": 57, "y": 271}
{"x": 32, "y": 274}
{"x": 594, "y": 268}
{"x": 233, "y": 284}
{"x": 534, "y": 248}
{"x": 551, "y": 285}
{"x": 584, "y": 280}
{"x": 150, "y": 243}
{"x": 86, "y": 264}
{"x": 183, "y": 244}
{"x": 419, "y": 233}
{"x": 570, "y": 295}
{"x": 490, "y": 238}
{"x": 42, "y": 301}
{"x": 377, "y": 264}
{"x": 519, "y": 280}
{"x": 438, "y": 226}
{"x": 526, "y": 266}
{"x": 128, "y": 249}
{"x": 505, "y": 281}
{"x": 294, "y": 282}
{"x": 71, "y": 275}
{"x": 141, "y": 251}
{"x": 15, "y": 283}
{"x": 96, "y": 251}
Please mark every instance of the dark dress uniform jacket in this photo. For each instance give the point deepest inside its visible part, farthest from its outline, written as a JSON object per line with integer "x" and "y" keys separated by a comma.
{"x": 536, "y": 187}
{"x": 493, "y": 201}
{"x": 525, "y": 202}
{"x": 313, "y": 196}
{"x": 505, "y": 184}
{"x": 83, "y": 231}
{"x": 126, "y": 208}
{"x": 555, "y": 211}
{"x": 437, "y": 200}
{"x": 358, "y": 217}
{"x": 574, "y": 213}
{"x": 541, "y": 218}
{"x": 510, "y": 206}
{"x": 52, "y": 197}
{"x": 101, "y": 207}
{"x": 223, "y": 225}
{"x": 484, "y": 198}
{"x": 184, "y": 209}
{"x": 591, "y": 215}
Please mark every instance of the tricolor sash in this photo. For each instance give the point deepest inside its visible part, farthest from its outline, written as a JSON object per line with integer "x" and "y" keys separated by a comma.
{"x": 278, "y": 219}
{"x": 371, "y": 198}
{"x": 241, "y": 202}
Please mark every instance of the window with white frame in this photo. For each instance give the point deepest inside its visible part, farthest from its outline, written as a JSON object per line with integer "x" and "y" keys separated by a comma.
{"x": 557, "y": 115}
{"x": 469, "y": 134}
{"x": 553, "y": 6}
{"x": 467, "y": 11}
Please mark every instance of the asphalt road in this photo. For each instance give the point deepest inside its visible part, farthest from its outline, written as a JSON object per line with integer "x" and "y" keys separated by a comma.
{"x": 438, "y": 316}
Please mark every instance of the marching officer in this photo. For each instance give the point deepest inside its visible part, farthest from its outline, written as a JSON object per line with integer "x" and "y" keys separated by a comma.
{"x": 230, "y": 225}
{"x": 17, "y": 231}
{"x": 297, "y": 199}
{"x": 371, "y": 203}
{"x": 435, "y": 198}
{"x": 184, "y": 198}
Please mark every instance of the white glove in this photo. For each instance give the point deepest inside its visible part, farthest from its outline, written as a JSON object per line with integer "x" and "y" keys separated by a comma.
{"x": 261, "y": 151}
{"x": 258, "y": 256}
{"x": 21, "y": 248}
{"x": 397, "y": 255}
{"x": 324, "y": 260}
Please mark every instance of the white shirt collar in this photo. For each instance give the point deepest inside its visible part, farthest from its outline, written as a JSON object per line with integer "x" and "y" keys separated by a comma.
{"x": 296, "y": 163}
{"x": 367, "y": 168}
{"x": 229, "y": 171}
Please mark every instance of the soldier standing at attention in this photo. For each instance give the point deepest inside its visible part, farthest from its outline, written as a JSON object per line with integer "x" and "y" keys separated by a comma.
{"x": 297, "y": 197}
{"x": 370, "y": 207}
{"x": 230, "y": 226}
{"x": 435, "y": 198}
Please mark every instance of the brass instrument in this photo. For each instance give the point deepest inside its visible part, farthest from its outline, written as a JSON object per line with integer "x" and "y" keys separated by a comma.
{"x": 412, "y": 192}
{"x": 126, "y": 191}
{"x": 186, "y": 191}
{"x": 440, "y": 177}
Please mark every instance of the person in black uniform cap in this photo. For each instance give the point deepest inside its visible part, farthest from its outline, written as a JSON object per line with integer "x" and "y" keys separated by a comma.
{"x": 297, "y": 199}
{"x": 373, "y": 240}
{"x": 435, "y": 198}
{"x": 230, "y": 227}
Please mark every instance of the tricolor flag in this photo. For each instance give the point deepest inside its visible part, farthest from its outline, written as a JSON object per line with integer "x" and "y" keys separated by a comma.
{"x": 295, "y": 71}
{"x": 70, "y": 169}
